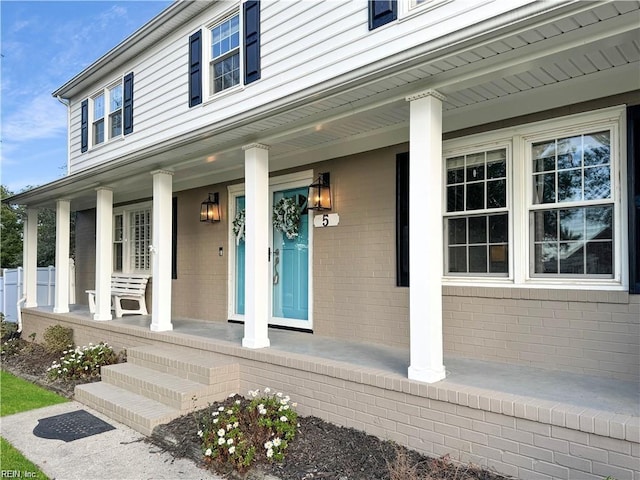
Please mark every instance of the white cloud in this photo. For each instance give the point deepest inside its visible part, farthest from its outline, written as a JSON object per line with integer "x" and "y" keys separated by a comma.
{"x": 41, "y": 117}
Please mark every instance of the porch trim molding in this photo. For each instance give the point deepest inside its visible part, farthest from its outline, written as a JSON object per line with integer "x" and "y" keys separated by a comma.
{"x": 425, "y": 237}
{"x": 161, "y": 250}
{"x": 256, "y": 317}
{"x": 104, "y": 253}
{"x": 63, "y": 234}
{"x": 30, "y": 258}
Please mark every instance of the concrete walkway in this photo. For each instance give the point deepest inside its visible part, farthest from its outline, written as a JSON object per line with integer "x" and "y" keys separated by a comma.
{"x": 120, "y": 454}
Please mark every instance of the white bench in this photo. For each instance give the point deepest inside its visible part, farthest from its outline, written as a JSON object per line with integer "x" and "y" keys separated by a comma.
{"x": 124, "y": 286}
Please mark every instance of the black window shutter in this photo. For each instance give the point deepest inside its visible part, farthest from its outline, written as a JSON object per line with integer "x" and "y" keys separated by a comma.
{"x": 382, "y": 12}
{"x": 84, "y": 126}
{"x": 195, "y": 69}
{"x": 402, "y": 219}
{"x": 633, "y": 175}
{"x": 251, "y": 41}
{"x": 128, "y": 104}
{"x": 174, "y": 238}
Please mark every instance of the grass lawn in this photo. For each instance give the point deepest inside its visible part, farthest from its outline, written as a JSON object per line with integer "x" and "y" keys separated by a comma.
{"x": 13, "y": 462}
{"x": 17, "y": 395}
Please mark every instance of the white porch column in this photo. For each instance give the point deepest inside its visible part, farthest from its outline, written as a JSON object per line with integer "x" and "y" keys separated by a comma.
{"x": 30, "y": 258}
{"x": 63, "y": 229}
{"x": 161, "y": 251}
{"x": 257, "y": 221}
{"x": 425, "y": 237}
{"x": 104, "y": 252}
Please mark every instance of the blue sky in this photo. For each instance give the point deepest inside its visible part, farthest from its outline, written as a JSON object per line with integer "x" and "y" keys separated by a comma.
{"x": 44, "y": 44}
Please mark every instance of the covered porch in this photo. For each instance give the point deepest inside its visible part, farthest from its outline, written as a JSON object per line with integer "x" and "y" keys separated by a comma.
{"x": 523, "y": 421}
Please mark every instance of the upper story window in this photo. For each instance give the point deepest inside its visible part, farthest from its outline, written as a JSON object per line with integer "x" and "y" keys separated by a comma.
{"x": 225, "y": 55}
{"x": 111, "y": 113}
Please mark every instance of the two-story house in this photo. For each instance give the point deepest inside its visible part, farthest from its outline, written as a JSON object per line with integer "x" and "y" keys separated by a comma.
{"x": 420, "y": 183}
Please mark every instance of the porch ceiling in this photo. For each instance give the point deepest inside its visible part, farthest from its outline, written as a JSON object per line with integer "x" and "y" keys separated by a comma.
{"x": 590, "y": 51}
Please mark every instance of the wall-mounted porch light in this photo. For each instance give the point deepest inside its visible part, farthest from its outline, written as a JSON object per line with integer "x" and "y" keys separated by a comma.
{"x": 320, "y": 193}
{"x": 210, "y": 209}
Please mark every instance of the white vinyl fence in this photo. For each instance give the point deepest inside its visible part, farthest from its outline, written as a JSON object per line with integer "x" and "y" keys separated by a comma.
{"x": 11, "y": 288}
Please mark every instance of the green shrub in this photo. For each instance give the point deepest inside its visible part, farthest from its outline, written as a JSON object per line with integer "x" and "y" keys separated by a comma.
{"x": 58, "y": 338}
{"x": 7, "y": 329}
{"x": 241, "y": 431}
{"x": 83, "y": 362}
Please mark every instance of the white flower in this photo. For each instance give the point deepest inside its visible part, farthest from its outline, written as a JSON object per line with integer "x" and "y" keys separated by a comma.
{"x": 270, "y": 453}
{"x": 208, "y": 452}
{"x": 253, "y": 393}
{"x": 221, "y": 409}
{"x": 277, "y": 442}
{"x": 294, "y": 404}
{"x": 267, "y": 390}
{"x": 235, "y": 424}
{"x": 283, "y": 418}
{"x": 232, "y": 449}
{"x": 200, "y": 433}
{"x": 261, "y": 407}
{"x": 279, "y": 394}
{"x": 215, "y": 414}
{"x": 215, "y": 420}
{"x": 237, "y": 402}
{"x": 262, "y": 412}
{"x": 221, "y": 432}
{"x": 232, "y": 395}
{"x": 286, "y": 407}
{"x": 268, "y": 445}
{"x": 230, "y": 441}
{"x": 229, "y": 426}
{"x": 221, "y": 441}
{"x": 229, "y": 412}
{"x": 287, "y": 398}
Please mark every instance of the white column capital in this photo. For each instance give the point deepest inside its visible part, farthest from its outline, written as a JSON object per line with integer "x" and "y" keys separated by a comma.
{"x": 424, "y": 94}
{"x": 255, "y": 145}
{"x": 161, "y": 172}
{"x": 103, "y": 189}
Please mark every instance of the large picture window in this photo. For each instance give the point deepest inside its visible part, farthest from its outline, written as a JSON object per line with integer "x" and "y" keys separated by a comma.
{"x": 538, "y": 204}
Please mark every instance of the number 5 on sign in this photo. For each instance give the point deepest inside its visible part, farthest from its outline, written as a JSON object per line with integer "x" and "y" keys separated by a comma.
{"x": 326, "y": 220}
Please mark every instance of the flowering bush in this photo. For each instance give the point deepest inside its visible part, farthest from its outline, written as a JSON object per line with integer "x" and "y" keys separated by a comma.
{"x": 242, "y": 431}
{"x": 83, "y": 362}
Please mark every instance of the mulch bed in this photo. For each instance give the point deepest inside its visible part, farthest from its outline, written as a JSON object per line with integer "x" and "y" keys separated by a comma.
{"x": 320, "y": 451}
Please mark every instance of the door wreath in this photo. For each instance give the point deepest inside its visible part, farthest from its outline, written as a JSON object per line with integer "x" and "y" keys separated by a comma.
{"x": 286, "y": 217}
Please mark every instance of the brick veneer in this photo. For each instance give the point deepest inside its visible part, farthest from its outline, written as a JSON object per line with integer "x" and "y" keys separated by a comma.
{"x": 516, "y": 435}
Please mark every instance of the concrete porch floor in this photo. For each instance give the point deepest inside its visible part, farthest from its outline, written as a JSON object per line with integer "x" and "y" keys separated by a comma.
{"x": 571, "y": 389}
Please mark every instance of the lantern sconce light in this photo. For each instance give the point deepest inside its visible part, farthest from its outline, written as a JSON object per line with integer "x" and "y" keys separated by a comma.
{"x": 320, "y": 193}
{"x": 210, "y": 209}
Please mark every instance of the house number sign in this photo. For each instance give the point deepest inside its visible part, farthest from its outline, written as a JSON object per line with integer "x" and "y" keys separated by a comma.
{"x": 326, "y": 220}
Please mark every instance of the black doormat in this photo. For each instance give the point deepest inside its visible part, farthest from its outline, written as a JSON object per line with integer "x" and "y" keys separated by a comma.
{"x": 71, "y": 426}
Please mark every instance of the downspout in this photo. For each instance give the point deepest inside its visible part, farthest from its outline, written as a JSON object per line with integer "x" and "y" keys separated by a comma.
{"x": 67, "y": 103}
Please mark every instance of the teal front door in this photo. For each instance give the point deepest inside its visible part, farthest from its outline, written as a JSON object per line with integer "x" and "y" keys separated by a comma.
{"x": 290, "y": 265}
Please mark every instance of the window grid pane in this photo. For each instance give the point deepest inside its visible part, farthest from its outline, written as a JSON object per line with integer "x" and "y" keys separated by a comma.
{"x": 139, "y": 240}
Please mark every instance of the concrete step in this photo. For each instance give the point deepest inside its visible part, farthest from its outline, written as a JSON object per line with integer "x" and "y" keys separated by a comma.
{"x": 179, "y": 393}
{"x": 196, "y": 365}
{"x": 136, "y": 411}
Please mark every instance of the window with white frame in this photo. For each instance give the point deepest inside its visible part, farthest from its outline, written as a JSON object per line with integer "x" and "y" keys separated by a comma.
{"x": 132, "y": 238}
{"x": 540, "y": 205}
{"x": 571, "y": 213}
{"x": 477, "y": 218}
{"x": 224, "y": 66}
{"x": 107, "y": 114}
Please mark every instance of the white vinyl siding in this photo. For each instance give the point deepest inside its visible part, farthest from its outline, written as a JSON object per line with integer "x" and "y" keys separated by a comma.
{"x": 302, "y": 45}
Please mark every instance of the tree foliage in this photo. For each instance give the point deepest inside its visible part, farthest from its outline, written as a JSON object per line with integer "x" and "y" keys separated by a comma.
{"x": 12, "y": 234}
